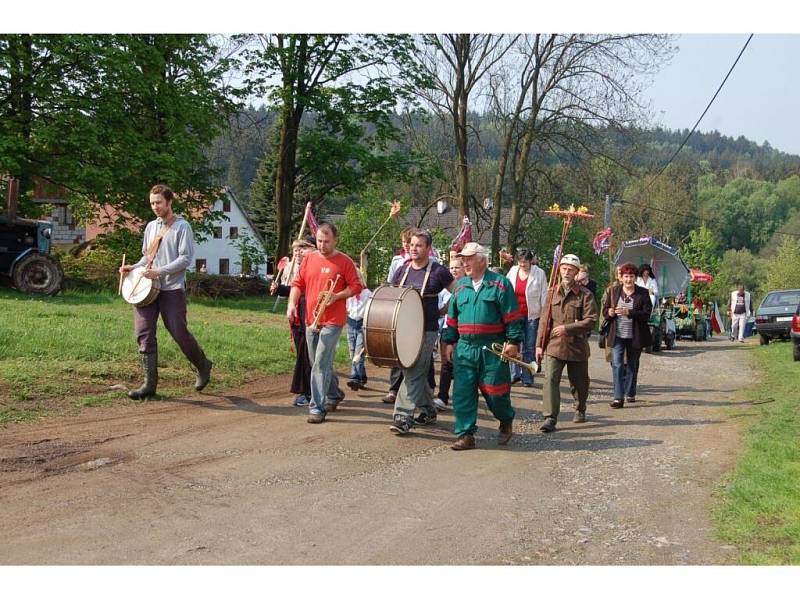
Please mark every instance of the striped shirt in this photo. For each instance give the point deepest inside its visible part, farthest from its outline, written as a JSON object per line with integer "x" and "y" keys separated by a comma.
{"x": 625, "y": 324}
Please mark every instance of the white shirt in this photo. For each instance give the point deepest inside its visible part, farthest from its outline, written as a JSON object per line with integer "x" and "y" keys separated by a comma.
{"x": 476, "y": 284}
{"x": 651, "y": 286}
{"x": 357, "y": 304}
{"x": 444, "y": 298}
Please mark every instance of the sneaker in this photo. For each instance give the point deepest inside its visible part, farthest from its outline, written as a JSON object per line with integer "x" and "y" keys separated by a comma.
{"x": 618, "y": 403}
{"x": 362, "y": 384}
{"x": 440, "y": 404}
{"x": 390, "y": 398}
{"x": 316, "y": 417}
{"x": 549, "y": 425}
{"x": 631, "y": 400}
{"x": 425, "y": 418}
{"x": 579, "y": 417}
{"x": 353, "y": 384}
{"x": 401, "y": 425}
{"x": 301, "y": 400}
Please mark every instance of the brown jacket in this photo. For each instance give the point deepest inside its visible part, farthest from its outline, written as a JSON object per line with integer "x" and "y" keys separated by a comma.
{"x": 577, "y": 311}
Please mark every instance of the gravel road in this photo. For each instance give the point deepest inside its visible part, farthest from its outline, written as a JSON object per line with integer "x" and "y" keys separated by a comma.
{"x": 239, "y": 477}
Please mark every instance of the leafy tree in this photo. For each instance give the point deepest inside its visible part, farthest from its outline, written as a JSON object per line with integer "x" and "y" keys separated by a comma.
{"x": 333, "y": 96}
{"x": 737, "y": 267}
{"x": 783, "y": 270}
{"x": 701, "y": 250}
{"x": 107, "y": 116}
{"x": 361, "y": 220}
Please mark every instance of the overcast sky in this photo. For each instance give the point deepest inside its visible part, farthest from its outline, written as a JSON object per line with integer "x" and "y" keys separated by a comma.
{"x": 760, "y": 100}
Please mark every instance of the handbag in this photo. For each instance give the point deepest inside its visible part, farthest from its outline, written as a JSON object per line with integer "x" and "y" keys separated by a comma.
{"x": 604, "y": 327}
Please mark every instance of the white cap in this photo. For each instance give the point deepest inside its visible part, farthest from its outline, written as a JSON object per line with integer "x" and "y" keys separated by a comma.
{"x": 572, "y": 260}
{"x": 472, "y": 248}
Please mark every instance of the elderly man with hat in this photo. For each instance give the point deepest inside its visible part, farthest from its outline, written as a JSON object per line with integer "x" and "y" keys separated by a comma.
{"x": 563, "y": 338}
{"x": 483, "y": 310}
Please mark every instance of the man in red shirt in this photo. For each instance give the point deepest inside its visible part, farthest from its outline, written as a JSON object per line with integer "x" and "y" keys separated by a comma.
{"x": 318, "y": 270}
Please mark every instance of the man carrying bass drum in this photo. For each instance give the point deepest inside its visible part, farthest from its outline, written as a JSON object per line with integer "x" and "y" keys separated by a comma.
{"x": 429, "y": 278}
{"x": 168, "y": 248}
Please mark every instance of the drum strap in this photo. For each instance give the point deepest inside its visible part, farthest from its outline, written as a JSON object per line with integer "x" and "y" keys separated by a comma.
{"x": 152, "y": 249}
{"x": 424, "y": 281}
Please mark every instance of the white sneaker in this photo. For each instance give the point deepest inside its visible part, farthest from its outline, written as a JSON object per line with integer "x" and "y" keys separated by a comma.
{"x": 439, "y": 404}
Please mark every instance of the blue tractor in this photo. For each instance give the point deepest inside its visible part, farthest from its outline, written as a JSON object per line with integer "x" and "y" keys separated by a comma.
{"x": 25, "y": 251}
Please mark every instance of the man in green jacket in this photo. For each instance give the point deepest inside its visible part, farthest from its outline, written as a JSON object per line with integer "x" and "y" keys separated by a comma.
{"x": 483, "y": 310}
{"x": 563, "y": 338}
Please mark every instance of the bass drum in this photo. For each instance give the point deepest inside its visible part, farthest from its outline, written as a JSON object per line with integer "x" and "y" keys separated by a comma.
{"x": 394, "y": 327}
{"x": 138, "y": 289}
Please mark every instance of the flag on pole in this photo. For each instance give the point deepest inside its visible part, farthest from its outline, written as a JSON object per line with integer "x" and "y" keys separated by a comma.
{"x": 464, "y": 236}
{"x": 312, "y": 222}
{"x": 602, "y": 241}
{"x": 716, "y": 320}
{"x": 557, "y": 256}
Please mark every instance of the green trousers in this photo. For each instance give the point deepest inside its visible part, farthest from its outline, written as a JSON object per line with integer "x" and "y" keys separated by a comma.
{"x": 578, "y": 373}
{"x": 477, "y": 369}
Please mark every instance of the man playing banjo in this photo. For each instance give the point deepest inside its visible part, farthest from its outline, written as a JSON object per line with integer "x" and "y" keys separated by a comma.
{"x": 429, "y": 278}
{"x": 167, "y": 251}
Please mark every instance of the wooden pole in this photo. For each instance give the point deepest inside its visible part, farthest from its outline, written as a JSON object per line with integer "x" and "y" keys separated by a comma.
{"x": 119, "y": 291}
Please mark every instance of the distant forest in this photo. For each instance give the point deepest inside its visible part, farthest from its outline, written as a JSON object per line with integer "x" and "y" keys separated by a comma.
{"x": 237, "y": 153}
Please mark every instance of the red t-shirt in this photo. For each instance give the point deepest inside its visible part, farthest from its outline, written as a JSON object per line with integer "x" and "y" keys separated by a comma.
{"x": 315, "y": 274}
{"x": 522, "y": 298}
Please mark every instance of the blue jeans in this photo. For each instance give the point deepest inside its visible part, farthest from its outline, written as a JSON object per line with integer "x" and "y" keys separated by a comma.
{"x": 324, "y": 382}
{"x": 355, "y": 343}
{"x": 529, "y": 331}
{"x": 624, "y": 368}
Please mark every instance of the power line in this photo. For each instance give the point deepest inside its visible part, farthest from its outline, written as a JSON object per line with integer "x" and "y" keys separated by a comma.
{"x": 719, "y": 89}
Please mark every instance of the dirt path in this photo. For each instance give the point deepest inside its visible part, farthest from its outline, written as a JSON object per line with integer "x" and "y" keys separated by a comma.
{"x": 241, "y": 478}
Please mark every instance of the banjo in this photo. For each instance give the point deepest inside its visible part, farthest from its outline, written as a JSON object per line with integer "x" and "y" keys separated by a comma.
{"x": 137, "y": 289}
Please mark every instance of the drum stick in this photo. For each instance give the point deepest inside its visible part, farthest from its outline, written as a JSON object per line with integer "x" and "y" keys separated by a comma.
{"x": 119, "y": 291}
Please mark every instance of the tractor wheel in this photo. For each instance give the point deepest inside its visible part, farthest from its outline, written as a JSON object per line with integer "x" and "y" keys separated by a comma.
{"x": 763, "y": 340}
{"x": 796, "y": 351}
{"x": 38, "y": 274}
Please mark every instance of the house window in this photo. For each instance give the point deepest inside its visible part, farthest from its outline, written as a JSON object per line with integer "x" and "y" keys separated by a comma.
{"x": 226, "y": 205}
{"x": 200, "y": 265}
{"x": 234, "y": 233}
{"x": 223, "y": 266}
{"x": 217, "y": 233}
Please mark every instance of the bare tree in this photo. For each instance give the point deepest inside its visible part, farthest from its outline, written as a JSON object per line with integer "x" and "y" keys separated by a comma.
{"x": 456, "y": 63}
{"x": 570, "y": 90}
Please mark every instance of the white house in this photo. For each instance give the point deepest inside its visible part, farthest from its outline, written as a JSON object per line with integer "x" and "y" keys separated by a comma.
{"x": 219, "y": 254}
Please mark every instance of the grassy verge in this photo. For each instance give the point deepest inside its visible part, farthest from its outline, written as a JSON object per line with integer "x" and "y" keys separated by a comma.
{"x": 59, "y": 354}
{"x": 760, "y": 512}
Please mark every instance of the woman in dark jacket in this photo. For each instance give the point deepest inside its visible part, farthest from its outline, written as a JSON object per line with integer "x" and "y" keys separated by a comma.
{"x": 301, "y": 377}
{"x": 628, "y": 309}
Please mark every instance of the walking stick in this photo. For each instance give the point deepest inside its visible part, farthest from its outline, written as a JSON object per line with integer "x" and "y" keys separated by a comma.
{"x": 568, "y": 215}
{"x": 119, "y": 291}
{"x": 291, "y": 264}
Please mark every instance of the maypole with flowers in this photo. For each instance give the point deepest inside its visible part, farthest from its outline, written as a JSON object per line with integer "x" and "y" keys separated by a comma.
{"x": 569, "y": 216}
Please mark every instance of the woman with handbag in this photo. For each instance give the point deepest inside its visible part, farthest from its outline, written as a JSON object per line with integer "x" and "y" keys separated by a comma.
{"x": 627, "y": 308}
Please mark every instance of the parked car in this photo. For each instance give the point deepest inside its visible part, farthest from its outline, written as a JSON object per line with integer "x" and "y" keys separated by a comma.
{"x": 774, "y": 316}
{"x": 796, "y": 333}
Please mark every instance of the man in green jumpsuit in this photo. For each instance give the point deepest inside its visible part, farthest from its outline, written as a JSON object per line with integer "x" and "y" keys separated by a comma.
{"x": 483, "y": 310}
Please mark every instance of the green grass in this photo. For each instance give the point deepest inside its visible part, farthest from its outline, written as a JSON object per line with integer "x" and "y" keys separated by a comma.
{"x": 62, "y": 353}
{"x": 760, "y": 509}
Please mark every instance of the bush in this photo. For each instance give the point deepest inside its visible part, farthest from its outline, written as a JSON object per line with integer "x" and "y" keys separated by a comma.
{"x": 203, "y": 285}
{"x": 94, "y": 269}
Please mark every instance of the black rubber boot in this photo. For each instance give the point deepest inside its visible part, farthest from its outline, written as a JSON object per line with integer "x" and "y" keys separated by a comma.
{"x": 203, "y": 366}
{"x": 150, "y": 366}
